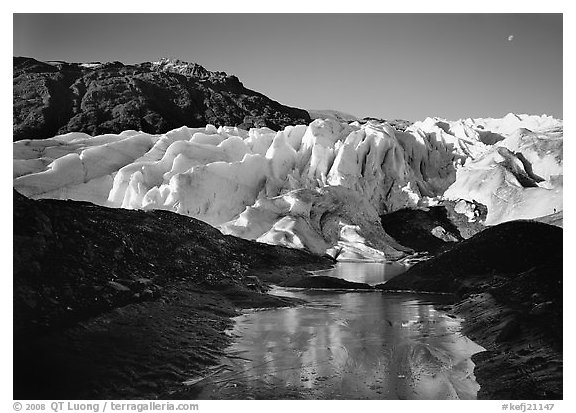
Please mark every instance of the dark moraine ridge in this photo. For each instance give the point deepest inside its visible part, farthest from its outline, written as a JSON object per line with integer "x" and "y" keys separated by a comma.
{"x": 509, "y": 282}
{"x": 53, "y": 98}
{"x": 427, "y": 231}
{"x": 504, "y": 250}
{"x": 431, "y": 230}
{"x": 113, "y": 303}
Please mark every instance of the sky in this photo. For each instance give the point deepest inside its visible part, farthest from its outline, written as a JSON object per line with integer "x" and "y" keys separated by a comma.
{"x": 406, "y": 66}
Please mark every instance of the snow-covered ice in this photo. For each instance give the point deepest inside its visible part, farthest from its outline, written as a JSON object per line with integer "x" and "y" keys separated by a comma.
{"x": 320, "y": 186}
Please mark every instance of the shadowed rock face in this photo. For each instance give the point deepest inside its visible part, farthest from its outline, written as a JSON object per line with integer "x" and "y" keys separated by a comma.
{"x": 58, "y": 97}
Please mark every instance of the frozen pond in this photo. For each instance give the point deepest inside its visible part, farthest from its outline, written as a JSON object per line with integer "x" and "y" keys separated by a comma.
{"x": 347, "y": 345}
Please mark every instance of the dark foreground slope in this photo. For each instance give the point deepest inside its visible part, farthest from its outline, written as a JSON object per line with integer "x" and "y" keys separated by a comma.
{"x": 58, "y": 97}
{"x": 112, "y": 303}
{"x": 509, "y": 282}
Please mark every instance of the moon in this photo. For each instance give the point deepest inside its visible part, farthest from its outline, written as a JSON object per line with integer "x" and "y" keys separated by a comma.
{"x": 511, "y": 37}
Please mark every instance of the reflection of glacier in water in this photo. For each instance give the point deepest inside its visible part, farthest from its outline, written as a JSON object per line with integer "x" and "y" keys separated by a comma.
{"x": 354, "y": 345}
{"x": 365, "y": 272}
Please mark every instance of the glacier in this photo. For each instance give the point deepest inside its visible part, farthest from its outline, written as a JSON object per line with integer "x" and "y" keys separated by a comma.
{"x": 321, "y": 187}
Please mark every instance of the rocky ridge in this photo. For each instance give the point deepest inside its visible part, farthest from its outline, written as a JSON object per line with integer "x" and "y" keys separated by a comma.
{"x": 52, "y": 98}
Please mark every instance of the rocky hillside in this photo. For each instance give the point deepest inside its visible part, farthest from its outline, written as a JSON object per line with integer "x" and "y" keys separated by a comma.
{"x": 52, "y": 98}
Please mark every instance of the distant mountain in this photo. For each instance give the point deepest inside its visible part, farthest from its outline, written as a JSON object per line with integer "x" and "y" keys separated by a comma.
{"x": 331, "y": 114}
{"x": 56, "y": 97}
{"x": 398, "y": 124}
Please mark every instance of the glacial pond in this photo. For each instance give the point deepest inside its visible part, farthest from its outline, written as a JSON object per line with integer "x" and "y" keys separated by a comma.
{"x": 364, "y": 272}
{"x": 345, "y": 345}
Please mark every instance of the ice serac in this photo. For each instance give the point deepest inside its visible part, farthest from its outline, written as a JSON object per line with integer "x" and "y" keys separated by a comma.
{"x": 519, "y": 177}
{"x": 320, "y": 186}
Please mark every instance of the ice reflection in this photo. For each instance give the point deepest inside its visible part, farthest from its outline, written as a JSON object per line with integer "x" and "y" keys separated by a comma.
{"x": 365, "y": 272}
{"x": 347, "y": 346}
